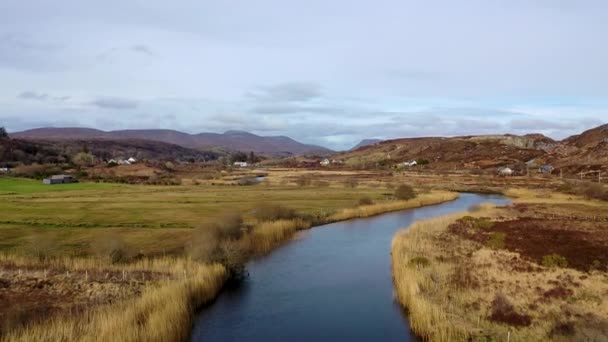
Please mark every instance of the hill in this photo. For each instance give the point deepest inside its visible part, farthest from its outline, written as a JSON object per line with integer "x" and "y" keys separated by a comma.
{"x": 61, "y": 151}
{"x": 229, "y": 141}
{"x": 365, "y": 142}
{"x": 582, "y": 152}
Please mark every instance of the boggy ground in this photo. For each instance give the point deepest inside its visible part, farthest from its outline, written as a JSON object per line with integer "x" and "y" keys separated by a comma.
{"x": 532, "y": 271}
{"x": 31, "y": 293}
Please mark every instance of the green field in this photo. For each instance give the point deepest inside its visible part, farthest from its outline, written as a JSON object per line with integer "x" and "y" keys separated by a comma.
{"x": 149, "y": 218}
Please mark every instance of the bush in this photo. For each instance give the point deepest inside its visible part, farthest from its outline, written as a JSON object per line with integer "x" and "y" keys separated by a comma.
{"x": 422, "y": 162}
{"x": 304, "y": 180}
{"x": 365, "y": 201}
{"x": 405, "y": 192}
{"x": 351, "y": 183}
{"x": 504, "y": 312}
{"x": 497, "y": 240}
{"x": 37, "y": 171}
{"x": 321, "y": 184}
{"x": 229, "y": 226}
{"x": 554, "y": 260}
{"x": 110, "y": 247}
{"x": 273, "y": 212}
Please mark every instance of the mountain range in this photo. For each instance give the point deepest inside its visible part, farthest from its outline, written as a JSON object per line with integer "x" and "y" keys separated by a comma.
{"x": 228, "y": 141}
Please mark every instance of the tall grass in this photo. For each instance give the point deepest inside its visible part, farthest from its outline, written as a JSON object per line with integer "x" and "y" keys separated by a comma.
{"x": 414, "y": 282}
{"x": 267, "y": 235}
{"x": 379, "y": 208}
{"x": 161, "y": 313}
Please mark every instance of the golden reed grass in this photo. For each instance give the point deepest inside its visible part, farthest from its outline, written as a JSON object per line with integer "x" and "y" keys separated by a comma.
{"x": 413, "y": 283}
{"x": 161, "y": 313}
{"x": 434, "y": 197}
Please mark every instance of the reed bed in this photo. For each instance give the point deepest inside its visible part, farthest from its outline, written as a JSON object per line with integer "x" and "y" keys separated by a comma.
{"x": 161, "y": 313}
{"x": 434, "y": 197}
{"x": 267, "y": 235}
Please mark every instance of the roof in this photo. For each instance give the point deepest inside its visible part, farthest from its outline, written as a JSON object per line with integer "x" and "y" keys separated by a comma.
{"x": 60, "y": 176}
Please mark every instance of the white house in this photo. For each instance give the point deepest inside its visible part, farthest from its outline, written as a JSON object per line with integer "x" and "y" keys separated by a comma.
{"x": 112, "y": 161}
{"x": 325, "y": 162}
{"x": 132, "y": 160}
{"x": 240, "y": 164}
{"x": 4, "y": 169}
{"x": 411, "y": 163}
{"x": 505, "y": 171}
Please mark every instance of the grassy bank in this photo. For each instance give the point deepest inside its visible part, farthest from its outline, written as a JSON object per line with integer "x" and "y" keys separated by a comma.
{"x": 91, "y": 256}
{"x": 163, "y": 312}
{"x": 505, "y": 273}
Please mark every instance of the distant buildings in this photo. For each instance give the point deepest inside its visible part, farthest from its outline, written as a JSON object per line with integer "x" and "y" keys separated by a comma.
{"x": 325, "y": 162}
{"x": 59, "y": 179}
{"x": 4, "y": 169}
{"x": 505, "y": 171}
{"x": 121, "y": 161}
{"x": 240, "y": 164}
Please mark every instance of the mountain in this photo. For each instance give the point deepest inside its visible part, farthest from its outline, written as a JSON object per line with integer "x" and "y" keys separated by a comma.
{"x": 230, "y": 140}
{"x": 365, "y": 142}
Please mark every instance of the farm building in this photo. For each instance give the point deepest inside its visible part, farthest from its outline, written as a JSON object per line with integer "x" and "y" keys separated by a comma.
{"x": 59, "y": 179}
{"x": 325, "y": 162}
{"x": 240, "y": 164}
{"x": 505, "y": 171}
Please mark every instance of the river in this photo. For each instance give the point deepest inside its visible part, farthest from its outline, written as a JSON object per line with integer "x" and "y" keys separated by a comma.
{"x": 333, "y": 283}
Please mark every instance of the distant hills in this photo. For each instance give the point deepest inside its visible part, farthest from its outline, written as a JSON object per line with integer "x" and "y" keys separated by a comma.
{"x": 366, "y": 142}
{"x": 586, "y": 151}
{"x": 228, "y": 141}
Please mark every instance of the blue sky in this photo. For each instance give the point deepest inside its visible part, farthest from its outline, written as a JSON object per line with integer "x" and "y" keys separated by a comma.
{"x": 323, "y": 72}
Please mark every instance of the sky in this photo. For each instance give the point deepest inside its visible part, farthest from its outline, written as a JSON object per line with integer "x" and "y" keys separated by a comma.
{"x": 324, "y": 72}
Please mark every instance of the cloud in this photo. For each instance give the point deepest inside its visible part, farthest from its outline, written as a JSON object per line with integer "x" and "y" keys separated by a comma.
{"x": 530, "y": 124}
{"x": 288, "y": 92}
{"x": 32, "y": 95}
{"x": 114, "y": 103}
{"x": 143, "y": 49}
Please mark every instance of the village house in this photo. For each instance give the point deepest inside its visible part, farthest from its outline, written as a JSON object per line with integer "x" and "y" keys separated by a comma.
{"x": 4, "y": 169}
{"x": 240, "y": 164}
{"x": 548, "y": 168}
{"x": 59, "y": 179}
{"x": 325, "y": 162}
{"x": 505, "y": 171}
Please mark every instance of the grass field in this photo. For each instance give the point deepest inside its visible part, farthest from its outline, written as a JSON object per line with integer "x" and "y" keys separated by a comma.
{"x": 152, "y": 219}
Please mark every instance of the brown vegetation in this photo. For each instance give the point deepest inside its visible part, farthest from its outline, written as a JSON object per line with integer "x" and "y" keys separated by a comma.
{"x": 493, "y": 274}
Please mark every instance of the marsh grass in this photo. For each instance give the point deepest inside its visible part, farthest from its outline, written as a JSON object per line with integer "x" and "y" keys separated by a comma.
{"x": 162, "y": 313}
{"x": 434, "y": 197}
{"x": 453, "y": 297}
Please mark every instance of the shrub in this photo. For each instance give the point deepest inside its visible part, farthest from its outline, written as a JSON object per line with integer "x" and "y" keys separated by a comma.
{"x": 40, "y": 246}
{"x": 405, "y": 192}
{"x": 321, "y": 184}
{"x": 83, "y": 159}
{"x": 351, "y": 183}
{"x": 504, "y": 312}
{"x": 496, "y": 240}
{"x": 37, "y": 171}
{"x": 304, "y": 180}
{"x": 112, "y": 247}
{"x": 273, "y": 212}
{"x": 422, "y": 162}
{"x": 554, "y": 260}
{"x": 482, "y": 224}
{"x": 365, "y": 201}
{"x": 229, "y": 226}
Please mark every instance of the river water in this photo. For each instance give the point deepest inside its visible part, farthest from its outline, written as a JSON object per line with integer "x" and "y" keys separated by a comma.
{"x": 333, "y": 283}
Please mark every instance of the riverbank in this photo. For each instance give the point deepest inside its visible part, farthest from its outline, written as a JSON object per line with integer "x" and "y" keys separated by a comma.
{"x": 532, "y": 271}
{"x": 94, "y": 295}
